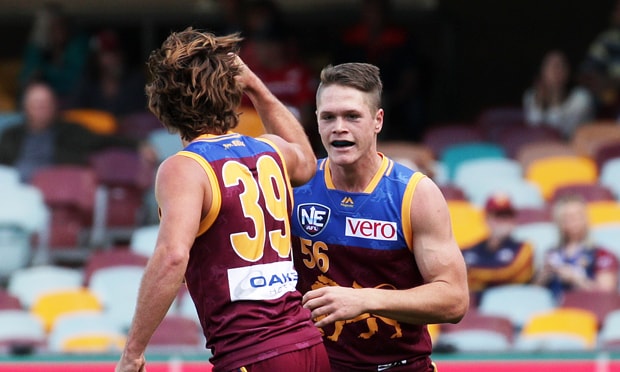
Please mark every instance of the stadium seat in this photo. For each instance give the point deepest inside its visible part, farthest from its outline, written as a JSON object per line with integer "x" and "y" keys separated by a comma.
{"x": 69, "y": 192}
{"x": 606, "y": 152}
{"x": 590, "y": 192}
{"x": 599, "y": 303}
{"x": 250, "y": 123}
{"x": 494, "y": 120}
{"x": 86, "y": 332}
{"x": 8, "y": 301}
{"x": 30, "y": 283}
{"x": 487, "y": 169}
{"x": 453, "y": 156}
{"x": 475, "y": 340}
{"x": 97, "y": 121}
{"x": 111, "y": 258}
{"x": 9, "y": 119}
{"x": 123, "y": 178}
{"x": 559, "y": 329}
{"x": 522, "y": 193}
{"x": 610, "y": 174}
{"x": 434, "y": 330}
{"x": 50, "y": 305}
{"x": 452, "y": 192}
{"x": 603, "y": 212}
{"x": 185, "y": 306}
{"x": 440, "y": 137}
{"x": 551, "y": 173}
{"x": 20, "y": 329}
{"x": 177, "y": 332}
{"x": 413, "y": 155}
{"x": 607, "y": 236}
{"x": 533, "y": 215}
{"x": 542, "y": 235}
{"x": 24, "y": 221}
{"x": 517, "y": 302}
{"x": 138, "y": 125}
{"x": 9, "y": 176}
{"x": 516, "y": 136}
{"x": 473, "y": 320}
{"x": 609, "y": 334}
{"x": 165, "y": 143}
{"x": 117, "y": 289}
{"x": 529, "y": 152}
{"x": 143, "y": 240}
{"x": 468, "y": 223}
{"x": 590, "y": 137}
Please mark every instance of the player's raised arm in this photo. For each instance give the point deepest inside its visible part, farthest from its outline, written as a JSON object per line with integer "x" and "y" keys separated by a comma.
{"x": 282, "y": 127}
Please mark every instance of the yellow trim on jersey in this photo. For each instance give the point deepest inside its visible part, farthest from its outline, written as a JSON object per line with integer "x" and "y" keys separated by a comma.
{"x": 327, "y": 175}
{"x": 390, "y": 167}
{"x": 406, "y": 208}
{"x": 286, "y": 176}
{"x": 385, "y": 164}
{"x": 216, "y": 199}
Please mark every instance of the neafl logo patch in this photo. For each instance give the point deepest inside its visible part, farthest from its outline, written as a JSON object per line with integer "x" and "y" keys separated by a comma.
{"x": 370, "y": 229}
{"x": 312, "y": 217}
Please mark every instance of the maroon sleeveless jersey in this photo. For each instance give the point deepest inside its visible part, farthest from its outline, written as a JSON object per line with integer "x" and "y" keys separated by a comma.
{"x": 240, "y": 273}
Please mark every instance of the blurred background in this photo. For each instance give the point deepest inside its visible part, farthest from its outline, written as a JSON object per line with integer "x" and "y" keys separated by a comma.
{"x": 510, "y": 106}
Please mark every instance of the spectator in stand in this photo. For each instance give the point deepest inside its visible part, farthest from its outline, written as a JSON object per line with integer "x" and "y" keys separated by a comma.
{"x": 600, "y": 70}
{"x": 233, "y": 13}
{"x": 500, "y": 259}
{"x": 43, "y": 140}
{"x": 553, "y": 101}
{"x": 577, "y": 263}
{"x": 269, "y": 50}
{"x": 376, "y": 38}
{"x": 108, "y": 83}
{"x": 55, "y": 53}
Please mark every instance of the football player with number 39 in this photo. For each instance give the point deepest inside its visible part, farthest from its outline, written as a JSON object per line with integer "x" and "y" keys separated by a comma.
{"x": 225, "y": 202}
{"x": 373, "y": 244}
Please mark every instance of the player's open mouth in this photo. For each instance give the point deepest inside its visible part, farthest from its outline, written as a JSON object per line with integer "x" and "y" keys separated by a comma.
{"x": 342, "y": 143}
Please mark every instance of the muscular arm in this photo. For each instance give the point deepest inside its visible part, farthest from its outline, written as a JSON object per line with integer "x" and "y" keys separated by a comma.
{"x": 443, "y": 298}
{"x": 282, "y": 127}
{"x": 180, "y": 192}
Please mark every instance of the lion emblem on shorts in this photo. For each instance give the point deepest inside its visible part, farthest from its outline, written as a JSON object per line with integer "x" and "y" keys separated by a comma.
{"x": 371, "y": 320}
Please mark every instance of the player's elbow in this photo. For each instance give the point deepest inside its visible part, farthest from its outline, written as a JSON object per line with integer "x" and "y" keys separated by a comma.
{"x": 173, "y": 258}
{"x": 305, "y": 170}
{"x": 458, "y": 307}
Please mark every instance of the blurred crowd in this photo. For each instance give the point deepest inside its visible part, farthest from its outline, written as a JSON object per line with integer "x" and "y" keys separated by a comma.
{"x": 64, "y": 69}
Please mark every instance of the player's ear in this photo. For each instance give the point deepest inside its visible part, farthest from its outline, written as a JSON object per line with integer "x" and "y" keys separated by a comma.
{"x": 378, "y": 120}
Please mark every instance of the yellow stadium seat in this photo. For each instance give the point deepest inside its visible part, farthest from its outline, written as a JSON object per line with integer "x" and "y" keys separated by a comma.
{"x": 568, "y": 323}
{"x": 468, "y": 223}
{"x": 48, "y": 307}
{"x": 433, "y": 331}
{"x": 250, "y": 123}
{"x": 98, "y": 121}
{"x": 95, "y": 343}
{"x": 550, "y": 173}
{"x": 603, "y": 212}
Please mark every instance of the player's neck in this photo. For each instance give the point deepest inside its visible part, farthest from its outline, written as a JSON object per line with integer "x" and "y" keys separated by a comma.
{"x": 355, "y": 177}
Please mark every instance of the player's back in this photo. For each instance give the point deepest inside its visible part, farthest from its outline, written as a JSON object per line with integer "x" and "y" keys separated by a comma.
{"x": 240, "y": 273}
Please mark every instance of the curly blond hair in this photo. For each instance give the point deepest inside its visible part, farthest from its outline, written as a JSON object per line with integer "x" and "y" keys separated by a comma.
{"x": 193, "y": 89}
